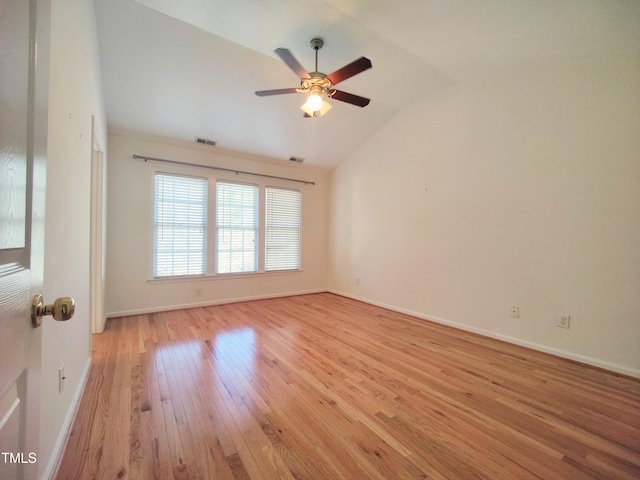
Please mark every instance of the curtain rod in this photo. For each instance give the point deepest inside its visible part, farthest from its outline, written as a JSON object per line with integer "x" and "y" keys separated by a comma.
{"x": 306, "y": 182}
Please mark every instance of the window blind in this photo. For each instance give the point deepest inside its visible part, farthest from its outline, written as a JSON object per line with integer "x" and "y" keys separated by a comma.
{"x": 282, "y": 229}
{"x": 180, "y": 218}
{"x": 236, "y": 227}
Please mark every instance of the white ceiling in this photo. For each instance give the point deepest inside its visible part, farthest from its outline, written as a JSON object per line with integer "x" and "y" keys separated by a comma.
{"x": 189, "y": 68}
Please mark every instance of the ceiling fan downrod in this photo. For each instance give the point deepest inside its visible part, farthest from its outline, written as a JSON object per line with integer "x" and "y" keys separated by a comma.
{"x": 316, "y": 44}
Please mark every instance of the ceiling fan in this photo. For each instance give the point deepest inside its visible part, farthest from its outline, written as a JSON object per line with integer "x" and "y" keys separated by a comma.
{"x": 318, "y": 84}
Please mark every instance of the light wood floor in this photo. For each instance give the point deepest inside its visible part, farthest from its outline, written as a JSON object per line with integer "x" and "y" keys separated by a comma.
{"x": 324, "y": 387}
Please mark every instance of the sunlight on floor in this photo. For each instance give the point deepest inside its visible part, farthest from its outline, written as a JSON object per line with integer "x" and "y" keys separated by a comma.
{"x": 236, "y": 346}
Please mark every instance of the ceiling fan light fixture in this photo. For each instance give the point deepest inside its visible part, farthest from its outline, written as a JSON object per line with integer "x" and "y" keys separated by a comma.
{"x": 324, "y": 108}
{"x": 314, "y": 102}
{"x": 308, "y": 111}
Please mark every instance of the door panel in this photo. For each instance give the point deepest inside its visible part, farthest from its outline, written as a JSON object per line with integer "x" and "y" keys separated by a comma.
{"x": 24, "y": 51}
{"x": 10, "y": 413}
{"x": 14, "y": 91}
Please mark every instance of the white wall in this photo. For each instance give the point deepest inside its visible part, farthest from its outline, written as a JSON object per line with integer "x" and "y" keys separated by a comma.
{"x": 75, "y": 94}
{"x": 130, "y": 234}
{"x": 520, "y": 189}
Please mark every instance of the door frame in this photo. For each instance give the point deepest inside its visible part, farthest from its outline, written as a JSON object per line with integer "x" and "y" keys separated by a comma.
{"x": 98, "y": 231}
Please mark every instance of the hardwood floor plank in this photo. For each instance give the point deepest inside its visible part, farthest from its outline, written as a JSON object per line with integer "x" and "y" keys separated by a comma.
{"x": 324, "y": 387}
{"x": 159, "y": 445}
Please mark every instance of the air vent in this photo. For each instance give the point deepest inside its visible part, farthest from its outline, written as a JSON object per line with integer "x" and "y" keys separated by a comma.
{"x": 296, "y": 159}
{"x": 205, "y": 141}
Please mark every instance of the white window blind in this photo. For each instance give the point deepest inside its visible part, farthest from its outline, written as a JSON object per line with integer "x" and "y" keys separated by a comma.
{"x": 282, "y": 229}
{"x": 180, "y": 218}
{"x": 236, "y": 227}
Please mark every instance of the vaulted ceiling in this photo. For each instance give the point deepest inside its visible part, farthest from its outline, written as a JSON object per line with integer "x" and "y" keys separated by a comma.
{"x": 189, "y": 68}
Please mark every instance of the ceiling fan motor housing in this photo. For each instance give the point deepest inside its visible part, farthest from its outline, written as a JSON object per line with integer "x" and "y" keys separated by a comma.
{"x": 319, "y": 80}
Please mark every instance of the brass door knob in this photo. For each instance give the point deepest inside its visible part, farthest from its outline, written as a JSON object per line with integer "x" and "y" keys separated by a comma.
{"x": 62, "y": 309}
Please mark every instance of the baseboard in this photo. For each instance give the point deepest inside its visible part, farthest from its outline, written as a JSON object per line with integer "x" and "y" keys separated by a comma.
{"x": 631, "y": 372}
{"x": 208, "y": 303}
{"x": 487, "y": 333}
{"x": 63, "y": 437}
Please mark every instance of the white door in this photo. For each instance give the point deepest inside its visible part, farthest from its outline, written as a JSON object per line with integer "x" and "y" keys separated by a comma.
{"x": 24, "y": 51}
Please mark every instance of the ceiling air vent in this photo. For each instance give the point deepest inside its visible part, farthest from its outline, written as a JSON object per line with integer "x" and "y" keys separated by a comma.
{"x": 205, "y": 141}
{"x": 296, "y": 159}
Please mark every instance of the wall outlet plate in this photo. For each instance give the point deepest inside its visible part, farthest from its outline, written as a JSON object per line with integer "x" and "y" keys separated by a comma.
{"x": 563, "y": 320}
{"x": 515, "y": 311}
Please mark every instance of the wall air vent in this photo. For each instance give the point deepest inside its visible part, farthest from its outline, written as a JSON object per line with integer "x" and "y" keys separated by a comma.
{"x": 205, "y": 141}
{"x": 296, "y": 159}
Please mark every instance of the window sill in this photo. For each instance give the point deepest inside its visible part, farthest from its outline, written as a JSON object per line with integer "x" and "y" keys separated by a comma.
{"x": 221, "y": 276}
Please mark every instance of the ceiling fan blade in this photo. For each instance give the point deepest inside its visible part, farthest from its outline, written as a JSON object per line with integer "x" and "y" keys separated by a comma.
{"x": 288, "y": 58}
{"x": 348, "y": 71}
{"x": 350, "y": 98}
{"x": 280, "y": 91}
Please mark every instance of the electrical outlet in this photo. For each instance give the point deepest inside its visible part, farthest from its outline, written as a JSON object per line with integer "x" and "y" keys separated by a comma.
{"x": 61, "y": 378}
{"x": 198, "y": 292}
{"x": 564, "y": 320}
{"x": 357, "y": 281}
{"x": 515, "y": 311}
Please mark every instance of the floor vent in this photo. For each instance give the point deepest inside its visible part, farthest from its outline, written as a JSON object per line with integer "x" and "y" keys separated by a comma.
{"x": 205, "y": 141}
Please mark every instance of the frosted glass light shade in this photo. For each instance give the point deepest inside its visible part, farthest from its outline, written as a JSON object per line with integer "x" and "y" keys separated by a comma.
{"x": 314, "y": 102}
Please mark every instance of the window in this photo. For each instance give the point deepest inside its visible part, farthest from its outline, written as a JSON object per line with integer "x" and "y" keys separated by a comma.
{"x": 244, "y": 215}
{"x": 282, "y": 229}
{"x": 236, "y": 227}
{"x": 180, "y": 219}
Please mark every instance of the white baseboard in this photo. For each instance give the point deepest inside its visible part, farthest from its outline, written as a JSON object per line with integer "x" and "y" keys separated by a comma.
{"x": 631, "y": 372}
{"x": 624, "y": 370}
{"x": 63, "y": 437}
{"x": 208, "y": 303}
